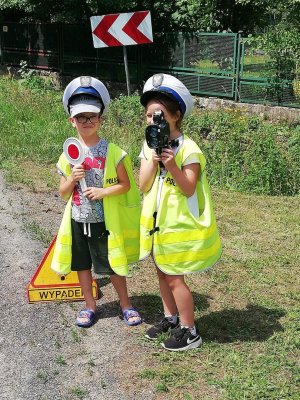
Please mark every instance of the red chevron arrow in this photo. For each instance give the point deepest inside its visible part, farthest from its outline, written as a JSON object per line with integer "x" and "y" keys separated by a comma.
{"x": 131, "y": 27}
{"x": 101, "y": 31}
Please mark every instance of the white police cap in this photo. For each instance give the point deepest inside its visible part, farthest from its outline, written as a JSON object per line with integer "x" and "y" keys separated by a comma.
{"x": 171, "y": 87}
{"x": 86, "y": 85}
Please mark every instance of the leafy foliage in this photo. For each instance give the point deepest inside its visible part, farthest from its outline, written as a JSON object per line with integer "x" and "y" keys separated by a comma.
{"x": 184, "y": 15}
{"x": 282, "y": 44}
{"x": 247, "y": 153}
{"x": 277, "y": 10}
{"x": 244, "y": 153}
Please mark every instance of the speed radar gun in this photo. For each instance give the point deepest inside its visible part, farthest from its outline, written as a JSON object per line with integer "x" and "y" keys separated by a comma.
{"x": 75, "y": 155}
{"x": 158, "y": 133}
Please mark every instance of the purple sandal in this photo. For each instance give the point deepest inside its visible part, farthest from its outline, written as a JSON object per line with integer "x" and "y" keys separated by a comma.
{"x": 87, "y": 314}
{"x": 129, "y": 313}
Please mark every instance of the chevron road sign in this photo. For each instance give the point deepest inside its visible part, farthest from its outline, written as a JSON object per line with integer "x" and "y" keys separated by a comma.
{"x": 122, "y": 29}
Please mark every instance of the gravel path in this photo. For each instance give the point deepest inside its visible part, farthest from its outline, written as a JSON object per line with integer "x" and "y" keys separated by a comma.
{"x": 43, "y": 356}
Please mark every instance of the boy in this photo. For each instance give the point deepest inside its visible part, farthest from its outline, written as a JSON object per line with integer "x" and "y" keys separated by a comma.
{"x": 100, "y": 226}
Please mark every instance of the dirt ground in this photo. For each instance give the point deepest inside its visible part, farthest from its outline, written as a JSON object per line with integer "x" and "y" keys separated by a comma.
{"x": 44, "y": 356}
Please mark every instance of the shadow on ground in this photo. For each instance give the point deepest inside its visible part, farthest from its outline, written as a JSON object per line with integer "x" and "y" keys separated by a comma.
{"x": 255, "y": 323}
{"x": 148, "y": 306}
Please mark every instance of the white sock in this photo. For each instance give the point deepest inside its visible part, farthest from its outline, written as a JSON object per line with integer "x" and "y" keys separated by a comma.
{"x": 191, "y": 329}
{"x": 172, "y": 318}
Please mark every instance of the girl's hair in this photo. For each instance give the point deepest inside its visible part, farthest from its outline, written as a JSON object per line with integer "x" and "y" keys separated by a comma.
{"x": 171, "y": 105}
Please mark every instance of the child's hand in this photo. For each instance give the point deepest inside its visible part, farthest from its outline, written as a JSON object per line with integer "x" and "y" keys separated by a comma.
{"x": 78, "y": 173}
{"x": 168, "y": 159}
{"x": 93, "y": 193}
{"x": 155, "y": 157}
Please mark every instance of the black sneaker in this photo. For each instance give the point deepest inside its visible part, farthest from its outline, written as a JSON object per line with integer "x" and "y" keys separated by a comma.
{"x": 163, "y": 326}
{"x": 182, "y": 339}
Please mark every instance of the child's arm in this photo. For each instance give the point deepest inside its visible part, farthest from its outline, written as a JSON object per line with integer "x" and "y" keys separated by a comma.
{"x": 148, "y": 172}
{"x": 67, "y": 184}
{"x": 123, "y": 185}
{"x": 185, "y": 178}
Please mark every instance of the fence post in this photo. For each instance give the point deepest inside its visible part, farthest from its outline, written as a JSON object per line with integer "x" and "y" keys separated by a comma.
{"x": 61, "y": 48}
{"x": 237, "y": 68}
{"x": 1, "y": 35}
{"x": 141, "y": 65}
{"x": 183, "y": 52}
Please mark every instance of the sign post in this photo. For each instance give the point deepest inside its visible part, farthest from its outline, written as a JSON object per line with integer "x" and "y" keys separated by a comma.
{"x": 123, "y": 29}
{"x": 126, "y": 70}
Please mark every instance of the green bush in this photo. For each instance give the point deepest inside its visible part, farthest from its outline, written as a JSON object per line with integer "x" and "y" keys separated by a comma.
{"x": 248, "y": 153}
{"x": 244, "y": 153}
{"x": 124, "y": 123}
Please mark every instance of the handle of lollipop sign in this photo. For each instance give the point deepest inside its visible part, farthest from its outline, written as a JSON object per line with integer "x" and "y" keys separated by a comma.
{"x": 75, "y": 155}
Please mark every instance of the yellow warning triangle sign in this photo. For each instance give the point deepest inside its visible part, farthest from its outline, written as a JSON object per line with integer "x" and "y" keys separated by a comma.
{"x": 46, "y": 285}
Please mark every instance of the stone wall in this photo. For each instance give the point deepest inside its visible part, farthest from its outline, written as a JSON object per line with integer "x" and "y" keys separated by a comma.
{"x": 273, "y": 113}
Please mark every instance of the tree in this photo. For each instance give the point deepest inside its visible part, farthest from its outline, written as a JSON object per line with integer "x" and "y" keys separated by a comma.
{"x": 277, "y": 10}
{"x": 167, "y": 16}
{"x": 170, "y": 15}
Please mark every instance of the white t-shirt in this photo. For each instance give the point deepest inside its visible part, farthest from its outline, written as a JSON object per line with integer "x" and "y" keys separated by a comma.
{"x": 191, "y": 159}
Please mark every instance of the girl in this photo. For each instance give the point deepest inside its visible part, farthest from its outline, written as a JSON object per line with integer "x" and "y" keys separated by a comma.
{"x": 178, "y": 226}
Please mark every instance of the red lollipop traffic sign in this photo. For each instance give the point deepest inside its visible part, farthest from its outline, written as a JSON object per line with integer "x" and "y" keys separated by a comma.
{"x": 75, "y": 155}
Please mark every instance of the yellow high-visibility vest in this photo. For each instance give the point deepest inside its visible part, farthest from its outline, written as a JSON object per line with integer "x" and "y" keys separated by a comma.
{"x": 180, "y": 242}
{"x": 121, "y": 214}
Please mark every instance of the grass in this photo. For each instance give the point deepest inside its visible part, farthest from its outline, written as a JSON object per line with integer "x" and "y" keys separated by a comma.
{"x": 79, "y": 393}
{"x": 247, "y": 307}
{"x": 254, "y": 66}
{"x": 38, "y": 232}
{"x": 206, "y": 65}
{"x": 43, "y": 376}
{"x": 243, "y": 152}
{"x": 60, "y": 360}
{"x": 258, "y": 66}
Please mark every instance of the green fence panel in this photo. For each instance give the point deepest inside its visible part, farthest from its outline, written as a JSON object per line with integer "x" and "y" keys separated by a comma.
{"x": 206, "y": 62}
{"x": 261, "y": 79}
{"x": 37, "y": 44}
{"x": 210, "y": 64}
{"x": 267, "y": 92}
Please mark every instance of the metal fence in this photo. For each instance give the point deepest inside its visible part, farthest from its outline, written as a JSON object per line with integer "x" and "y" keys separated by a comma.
{"x": 261, "y": 82}
{"x": 210, "y": 64}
